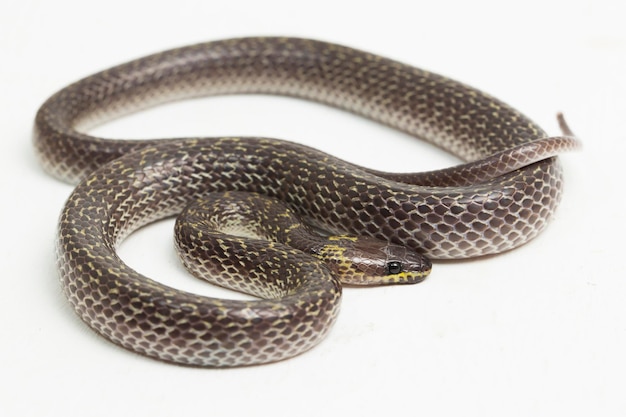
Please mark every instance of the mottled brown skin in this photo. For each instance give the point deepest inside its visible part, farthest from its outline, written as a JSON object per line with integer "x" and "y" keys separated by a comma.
{"x": 500, "y": 200}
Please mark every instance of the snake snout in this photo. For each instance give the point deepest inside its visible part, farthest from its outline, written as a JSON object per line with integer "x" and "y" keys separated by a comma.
{"x": 406, "y": 266}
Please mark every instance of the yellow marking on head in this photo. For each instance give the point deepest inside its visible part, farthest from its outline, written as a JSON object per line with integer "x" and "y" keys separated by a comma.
{"x": 405, "y": 276}
{"x": 331, "y": 248}
{"x": 334, "y": 253}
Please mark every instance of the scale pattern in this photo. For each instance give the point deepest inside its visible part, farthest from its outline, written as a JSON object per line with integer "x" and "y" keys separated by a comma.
{"x": 214, "y": 230}
{"x": 503, "y": 197}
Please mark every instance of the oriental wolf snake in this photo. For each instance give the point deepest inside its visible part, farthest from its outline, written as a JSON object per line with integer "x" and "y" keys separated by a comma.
{"x": 501, "y": 197}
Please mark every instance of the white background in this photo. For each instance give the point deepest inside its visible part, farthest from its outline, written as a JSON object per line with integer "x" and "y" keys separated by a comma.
{"x": 537, "y": 331}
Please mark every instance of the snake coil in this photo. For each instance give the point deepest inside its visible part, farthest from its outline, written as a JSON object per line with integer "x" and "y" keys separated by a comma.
{"x": 503, "y": 195}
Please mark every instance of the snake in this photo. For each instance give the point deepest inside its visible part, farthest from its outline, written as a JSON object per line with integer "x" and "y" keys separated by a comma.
{"x": 503, "y": 194}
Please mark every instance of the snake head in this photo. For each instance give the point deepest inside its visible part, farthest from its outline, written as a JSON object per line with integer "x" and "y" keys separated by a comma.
{"x": 368, "y": 261}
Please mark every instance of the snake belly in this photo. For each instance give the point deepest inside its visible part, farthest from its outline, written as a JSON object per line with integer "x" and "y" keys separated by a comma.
{"x": 502, "y": 197}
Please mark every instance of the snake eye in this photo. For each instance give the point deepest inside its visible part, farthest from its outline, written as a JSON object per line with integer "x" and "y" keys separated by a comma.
{"x": 394, "y": 267}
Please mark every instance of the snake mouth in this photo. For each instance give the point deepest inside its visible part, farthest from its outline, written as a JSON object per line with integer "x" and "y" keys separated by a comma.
{"x": 414, "y": 276}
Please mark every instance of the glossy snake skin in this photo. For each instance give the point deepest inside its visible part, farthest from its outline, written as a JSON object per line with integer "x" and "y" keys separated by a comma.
{"x": 211, "y": 232}
{"x": 503, "y": 197}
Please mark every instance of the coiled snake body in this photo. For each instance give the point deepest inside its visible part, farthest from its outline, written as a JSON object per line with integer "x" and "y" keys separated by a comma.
{"x": 502, "y": 197}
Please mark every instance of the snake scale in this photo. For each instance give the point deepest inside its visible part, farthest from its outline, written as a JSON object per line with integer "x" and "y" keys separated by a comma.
{"x": 501, "y": 197}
